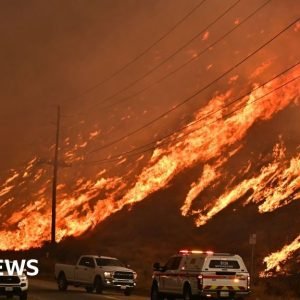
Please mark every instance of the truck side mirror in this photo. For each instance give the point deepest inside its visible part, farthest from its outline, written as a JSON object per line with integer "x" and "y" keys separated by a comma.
{"x": 156, "y": 266}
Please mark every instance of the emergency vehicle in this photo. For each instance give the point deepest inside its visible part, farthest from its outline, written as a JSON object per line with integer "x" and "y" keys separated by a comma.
{"x": 199, "y": 274}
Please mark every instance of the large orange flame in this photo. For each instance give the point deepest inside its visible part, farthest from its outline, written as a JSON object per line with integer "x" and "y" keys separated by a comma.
{"x": 205, "y": 141}
{"x": 269, "y": 193}
{"x": 275, "y": 260}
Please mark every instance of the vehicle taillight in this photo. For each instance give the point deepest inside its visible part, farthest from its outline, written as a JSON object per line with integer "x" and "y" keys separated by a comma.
{"x": 248, "y": 282}
{"x": 200, "y": 282}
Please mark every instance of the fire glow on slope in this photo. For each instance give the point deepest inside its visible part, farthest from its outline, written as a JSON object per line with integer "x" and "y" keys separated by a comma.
{"x": 276, "y": 185}
{"x": 275, "y": 260}
{"x": 93, "y": 200}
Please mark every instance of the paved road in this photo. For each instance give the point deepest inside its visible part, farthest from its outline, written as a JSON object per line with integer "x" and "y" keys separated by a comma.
{"x": 47, "y": 290}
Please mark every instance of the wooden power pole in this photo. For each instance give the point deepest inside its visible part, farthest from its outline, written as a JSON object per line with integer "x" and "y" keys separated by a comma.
{"x": 54, "y": 183}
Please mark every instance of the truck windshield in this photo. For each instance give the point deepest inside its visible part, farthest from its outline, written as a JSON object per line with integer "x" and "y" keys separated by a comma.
{"x": 102, "y": 262}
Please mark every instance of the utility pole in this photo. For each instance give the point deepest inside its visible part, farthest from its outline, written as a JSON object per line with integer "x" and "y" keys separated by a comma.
{"x": 252, "y": 242}
{"x": 54, "y": 182}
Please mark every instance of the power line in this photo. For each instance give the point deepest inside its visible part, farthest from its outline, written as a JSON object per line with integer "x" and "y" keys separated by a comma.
{"x": 194, "y": 58}
{"x": 207, "y": 115}
{"x": 196, "y": 93}
{"x": 169, "y": 57}
{"x": 184, "y": 64}
{"x": 140, "y": 55}
{"x": 174, "y": 27}
{"x": 54, "y": 179}
{"x": 122, "y": 100}
{"x": 123, "y": 155}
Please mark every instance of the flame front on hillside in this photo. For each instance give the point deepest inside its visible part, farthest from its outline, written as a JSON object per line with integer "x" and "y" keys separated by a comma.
{"x": 275, "y": 260}
{"x": 92, "y": 201}
{"x": 208, "y": 141}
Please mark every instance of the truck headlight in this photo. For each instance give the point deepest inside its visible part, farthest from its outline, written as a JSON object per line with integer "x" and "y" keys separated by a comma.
{"x": 134, "y": 275}
{"x": 23, "y": 277}
{"x": 108, "y": 274}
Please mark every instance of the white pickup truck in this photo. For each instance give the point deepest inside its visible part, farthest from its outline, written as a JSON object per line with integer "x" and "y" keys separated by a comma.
{"x": 201, "y": 274}
{"x": 13, "y": 284}
{"x": 96, "y": 273}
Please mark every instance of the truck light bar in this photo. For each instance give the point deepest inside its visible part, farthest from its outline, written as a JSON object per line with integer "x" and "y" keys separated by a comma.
{"x": 195, "y": 252}
{"x": 184, "y": 251}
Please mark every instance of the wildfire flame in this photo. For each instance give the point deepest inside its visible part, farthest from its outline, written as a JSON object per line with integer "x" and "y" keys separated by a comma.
{"x": 276, "y": 185}
{"x": 275, "y": 260}
{"x": 203, "y": 141}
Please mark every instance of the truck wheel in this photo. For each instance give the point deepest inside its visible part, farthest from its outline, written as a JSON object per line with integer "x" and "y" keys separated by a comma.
{"x": 89, "y": 289}
{"x": 127, "y": 292}
{"x": 187, "y": 293}
{"x": 23, "y": 296}
{"x": 62, "y": 282}
{"x": 98, "y": 285}
{"x": 155, "y": 294}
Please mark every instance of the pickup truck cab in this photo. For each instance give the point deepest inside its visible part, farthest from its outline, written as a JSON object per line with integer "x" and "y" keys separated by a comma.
{"x": 201, "y": 274}
{"x": 13, "y": 284}
{"x": 96, "y": 273}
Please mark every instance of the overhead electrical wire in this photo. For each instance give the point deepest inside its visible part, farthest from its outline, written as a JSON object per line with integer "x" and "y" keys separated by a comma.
{"x": 178, "y": 50}
{"x": 124, "y": 155}
{"x": 186, "y": 100}
{"x": 141, "y": 54}
{"x": 153, "y": 148}
{"x": 145, "y": 51}
{"x": 162, "y": 141}
{"x": 192, "y": 59}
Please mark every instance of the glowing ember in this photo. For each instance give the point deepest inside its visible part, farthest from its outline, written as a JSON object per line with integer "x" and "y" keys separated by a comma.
{"x": 205, "y": 36}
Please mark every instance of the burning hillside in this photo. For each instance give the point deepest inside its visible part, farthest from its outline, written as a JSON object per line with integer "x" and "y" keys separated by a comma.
{"x": 216, "y": 134}
{"x": 276, "y": 184}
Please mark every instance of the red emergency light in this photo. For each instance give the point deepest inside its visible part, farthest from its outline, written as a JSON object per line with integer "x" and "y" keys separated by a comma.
{"x": 185, "y": 251}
